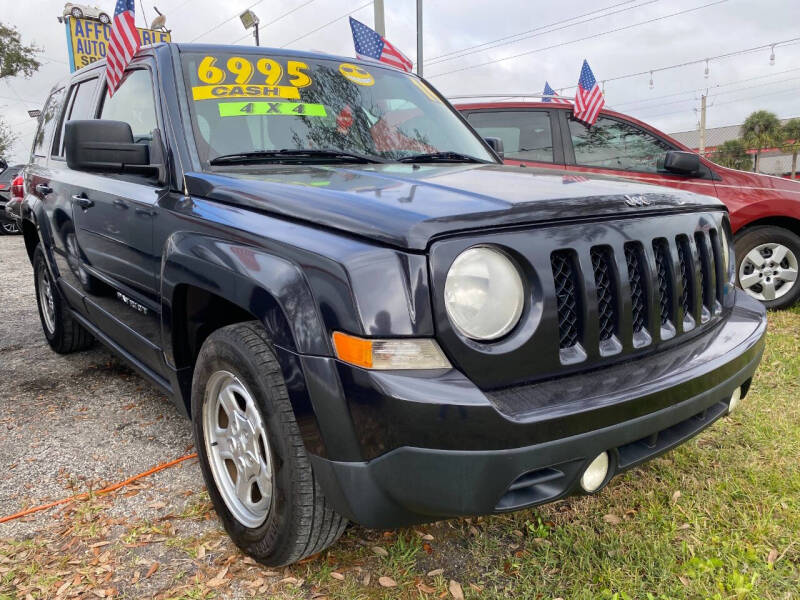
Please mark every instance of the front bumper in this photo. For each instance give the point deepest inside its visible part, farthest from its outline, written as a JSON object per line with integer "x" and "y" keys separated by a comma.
{"x": 439, "y": 447}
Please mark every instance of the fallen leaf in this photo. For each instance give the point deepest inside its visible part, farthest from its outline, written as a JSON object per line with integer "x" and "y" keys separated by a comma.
{"x": 387, "y": 582}
{"x": 380, "y": 551}
{"x": 476, "y": 587}
{"x": 683, "y": 580}
{"x": 337, "y": 575}
{"x": 425, "y": 588}
{"x": 153, "y": 568}
{"x": 427, "y": 547}
{"x": 455, "y": 590}
{"x": 427, "y": 537}
{"x": 685, "y": 526}
{"x": 435, "y": 572}
{"x": 366, "y": 580}
{"x": 612, "y": 519}
{"x": 218, "y": 579}
{"x": 676, "y": 495}
{"x": 772, "y": 557}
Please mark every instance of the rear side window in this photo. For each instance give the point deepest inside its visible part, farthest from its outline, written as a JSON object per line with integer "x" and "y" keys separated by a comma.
{"x": 47, "y": 123}
{"x": 526, "y": 134}
{"x": 133, "y": 103}
{"x": 80, "y": 106}
{"x": 613, "y": 144}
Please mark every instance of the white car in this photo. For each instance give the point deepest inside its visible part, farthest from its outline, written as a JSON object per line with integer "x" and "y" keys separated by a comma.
{"x": 82, "y": 11}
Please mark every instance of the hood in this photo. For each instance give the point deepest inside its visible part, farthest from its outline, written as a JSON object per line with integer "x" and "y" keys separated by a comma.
{"x": 408, "y": 206}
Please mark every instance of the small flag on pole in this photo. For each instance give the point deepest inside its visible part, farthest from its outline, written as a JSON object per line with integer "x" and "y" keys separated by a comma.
{"x": 551, "y": 96}
{"x": 588, "y": 98}
{"x": 371, "y": 45}
{"x": 123, "y": 43}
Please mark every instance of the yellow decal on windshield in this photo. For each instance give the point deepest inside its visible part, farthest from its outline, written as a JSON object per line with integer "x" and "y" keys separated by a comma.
{"x": 241, "y": 78}
{"x": 356, "y": 74}
{"x": 296, "y": 109}
{"x": 426, "y": 90}
{"x": 211, "y": 92}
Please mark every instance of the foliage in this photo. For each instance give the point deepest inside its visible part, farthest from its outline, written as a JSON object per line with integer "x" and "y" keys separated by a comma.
{"x": 790, "y": 134}
{"x": 7, "y": 139}
{"x": 733, "y": 154}
{"x": 15, "y": 57}
{"x": 762, "y": 129}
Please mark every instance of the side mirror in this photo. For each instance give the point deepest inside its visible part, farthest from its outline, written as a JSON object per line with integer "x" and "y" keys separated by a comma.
{"x": 496, "y": 144}
{"x": 681, "y": 163}
{"x": 96, "y": 145}
{"x": 3, "y": 165}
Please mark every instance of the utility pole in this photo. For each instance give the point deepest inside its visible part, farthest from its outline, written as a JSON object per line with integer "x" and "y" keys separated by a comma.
{"x": 703, "y": 123}
{"x": 380, "y": 22}
{"x": 419, "y": 38}
{"x": 255, "y": 33}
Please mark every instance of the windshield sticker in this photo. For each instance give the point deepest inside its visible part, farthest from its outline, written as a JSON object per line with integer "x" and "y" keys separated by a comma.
{"x": 296, "y": 109}
{"x": 344, "y": 120}
{"x": 239, "y": 77}
{"x": 426, "y": 90}
{"x": 212, "y": 92}
{"x": 356, "y": 74}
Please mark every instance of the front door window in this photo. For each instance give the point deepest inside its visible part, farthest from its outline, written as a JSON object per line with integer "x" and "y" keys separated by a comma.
{"x": 612, "y": 144}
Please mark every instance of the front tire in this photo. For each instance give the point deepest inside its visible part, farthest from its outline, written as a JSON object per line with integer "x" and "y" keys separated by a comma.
{"x": 9, "y": 228}
{"x": 767, "y": 265}
{"x": 258, "y": 474}
{"x": 104, "y": 19}
{"x": 77, "y": 13}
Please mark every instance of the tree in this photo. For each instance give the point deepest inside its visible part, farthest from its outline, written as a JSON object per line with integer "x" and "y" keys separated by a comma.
{"x": 790, "y": 133}
{"x": 733, "y": 154}
{"x": 15, "y": 59}
{"x": 761, "y": 130}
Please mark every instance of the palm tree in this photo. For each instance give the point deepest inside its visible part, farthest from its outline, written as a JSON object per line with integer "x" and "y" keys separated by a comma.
{"x": 733, "y": 154}
{"x": 790, "y": 132}
{"x": 761, "y": 130}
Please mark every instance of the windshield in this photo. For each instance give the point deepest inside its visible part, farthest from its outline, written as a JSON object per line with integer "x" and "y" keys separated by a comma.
{"x": 250, "y": 103}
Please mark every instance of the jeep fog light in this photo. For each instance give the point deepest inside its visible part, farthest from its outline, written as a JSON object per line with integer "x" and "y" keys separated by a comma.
{"x": 596, "y": 473}
{"x": 736, "y": 396}
{"x": 422, "y": 353}
{"x": 483, "y": 293}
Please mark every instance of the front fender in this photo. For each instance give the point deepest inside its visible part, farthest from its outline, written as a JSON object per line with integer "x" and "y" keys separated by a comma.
{"x": 267, "y": 286}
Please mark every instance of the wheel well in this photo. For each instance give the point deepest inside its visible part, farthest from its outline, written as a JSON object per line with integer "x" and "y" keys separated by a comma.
{"x": 31, "y": 238}
{"x": 197, "y": 313}
{"x": 789, "y": 223}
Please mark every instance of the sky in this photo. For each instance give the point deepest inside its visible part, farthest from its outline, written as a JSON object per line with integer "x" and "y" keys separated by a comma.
{"x": 538, "y": 41}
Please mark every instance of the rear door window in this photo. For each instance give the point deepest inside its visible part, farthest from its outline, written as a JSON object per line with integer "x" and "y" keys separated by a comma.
{"x": 47, "y": 123}
{"x": 526, "y": 134}
{"x": 79, "y": 106}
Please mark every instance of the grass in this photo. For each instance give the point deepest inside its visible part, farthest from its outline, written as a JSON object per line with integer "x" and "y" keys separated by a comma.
{"x": 719, "y": 518}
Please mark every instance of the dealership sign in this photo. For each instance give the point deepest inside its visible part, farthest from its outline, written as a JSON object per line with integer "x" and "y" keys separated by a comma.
{"x": 87, "y": 40}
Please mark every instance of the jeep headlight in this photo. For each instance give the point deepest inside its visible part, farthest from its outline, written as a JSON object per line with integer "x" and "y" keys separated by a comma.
{"x": 483, "y": 293}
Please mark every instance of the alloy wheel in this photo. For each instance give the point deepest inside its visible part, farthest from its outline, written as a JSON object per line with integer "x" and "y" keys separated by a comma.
{"x": 46, "y": 300}
{"x": 768, "y": 271}
{"x": 237, "y": 448}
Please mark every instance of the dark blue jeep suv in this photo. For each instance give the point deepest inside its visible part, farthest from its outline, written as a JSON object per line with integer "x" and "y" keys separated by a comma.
{"x": 365, "y": 315}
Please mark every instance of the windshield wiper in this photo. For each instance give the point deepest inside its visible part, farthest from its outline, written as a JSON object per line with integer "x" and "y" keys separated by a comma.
{"x": 260, "y": 156}
{"x": 447, "y": 156}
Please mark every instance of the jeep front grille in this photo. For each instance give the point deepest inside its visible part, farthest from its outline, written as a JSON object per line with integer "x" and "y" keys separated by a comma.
{"x": 564, "y": 276}
{"x": 675, "y": 279}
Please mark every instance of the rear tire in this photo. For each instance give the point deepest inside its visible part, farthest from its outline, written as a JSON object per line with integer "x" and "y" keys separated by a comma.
{"x": 767, "y": 265}
{"x": 9, "y": 228}
{"x": 298, "y": 521}
{"x": 64, "y": 334}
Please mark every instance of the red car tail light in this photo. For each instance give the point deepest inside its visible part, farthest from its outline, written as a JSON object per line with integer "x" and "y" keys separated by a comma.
{"x": 18, "y": 187}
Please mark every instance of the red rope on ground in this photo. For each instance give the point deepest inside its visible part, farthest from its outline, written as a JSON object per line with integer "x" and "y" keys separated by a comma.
{"x": 105, "y": 490}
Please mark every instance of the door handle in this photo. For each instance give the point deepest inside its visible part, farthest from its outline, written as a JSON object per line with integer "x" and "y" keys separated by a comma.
{"x": 82, "y": 201}
{"x": 44, "y": 189}
{"x": 120, "y": 204}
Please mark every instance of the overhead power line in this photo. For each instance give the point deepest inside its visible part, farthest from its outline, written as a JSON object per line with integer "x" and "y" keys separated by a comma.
{"x": 794, "y": 90}
{"x": 331, "y": 22}
{"x": 284, "y": 15}
{"x": 582, "y": 39}
{"x": 442, "y": 58}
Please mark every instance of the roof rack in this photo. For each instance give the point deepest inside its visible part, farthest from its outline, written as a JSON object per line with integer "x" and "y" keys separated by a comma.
{"x": 537, "y": 95}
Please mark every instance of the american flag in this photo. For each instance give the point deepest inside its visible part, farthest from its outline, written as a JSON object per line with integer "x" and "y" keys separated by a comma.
{"x": 551, "y": 96}
{"x": 122, "y": 45}
{"x": 588, "y": 99}
{"x": 372, "y": 46}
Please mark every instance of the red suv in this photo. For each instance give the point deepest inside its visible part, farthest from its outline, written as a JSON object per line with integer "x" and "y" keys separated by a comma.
{"x": 764, "y": 210}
